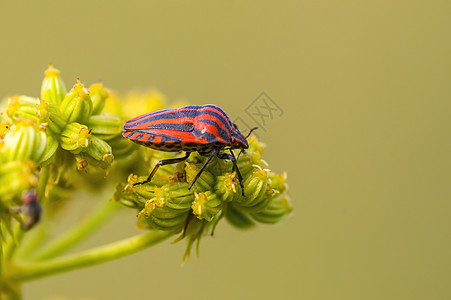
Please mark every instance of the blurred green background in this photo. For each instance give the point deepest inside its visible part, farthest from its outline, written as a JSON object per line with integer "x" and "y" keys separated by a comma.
{"x": 365, "y": 137}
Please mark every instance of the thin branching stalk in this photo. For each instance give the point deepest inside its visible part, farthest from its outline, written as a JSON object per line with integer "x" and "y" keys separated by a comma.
{"x": 79, "y": 232}
{"x": 28, "y": 271}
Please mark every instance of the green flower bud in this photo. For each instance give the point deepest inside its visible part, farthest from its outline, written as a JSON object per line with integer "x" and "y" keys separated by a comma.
{"x": 176, "y": 196}
{"x": 205, "y": 182}
{"x": 228, "y": 187}
{"x": 124, "y": 195}
{"x": 257, "y": 192}
{"x": 206, "y": 205}
{"x": 248, "y": 162}
{"x": 238, "y": 218}
{"x": 22, "y": 107}
{"x": 168, "y": 209}
{"x": 53, "y": 89}
{"x": 50, "y": 115}
{"x": 77, "y": 105}
{"x": 24, "y": 141}
{"x": 99, "y": 153}
{"x": 124, "y": 150}
{"x": 278, "y": 209}
{"x": 153, "y": 217}
{"x": 106, "y": 126}
{"x": 75, "y": 138}
{"x": 98, "y": 96}
{"x": 145, "y": 191}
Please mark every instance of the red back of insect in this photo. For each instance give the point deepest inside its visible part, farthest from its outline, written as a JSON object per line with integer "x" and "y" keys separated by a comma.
{"x": 190, "y": 128}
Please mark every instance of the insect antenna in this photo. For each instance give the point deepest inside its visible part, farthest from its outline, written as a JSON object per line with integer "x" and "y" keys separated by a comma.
{"x": 255, "y": 128}
{"x": 242, "y": 150}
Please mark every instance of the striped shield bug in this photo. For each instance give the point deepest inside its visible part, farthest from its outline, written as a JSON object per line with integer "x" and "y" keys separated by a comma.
{"x": 206, "y": 129}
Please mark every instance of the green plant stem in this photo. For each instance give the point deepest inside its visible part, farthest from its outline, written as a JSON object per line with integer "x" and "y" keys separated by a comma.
{"x": 13, "y": 242}
{"x": 42, "y": 184}
{"x": 72, "y": 237}
{"x": 37, "y": 237}
{"x": 1, "y": 252}
{"x": 6, "y": 291}
{"x": 29, "y": 271}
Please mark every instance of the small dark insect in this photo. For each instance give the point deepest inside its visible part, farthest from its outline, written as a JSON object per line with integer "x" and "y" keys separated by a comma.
{"x": 30, "y": 208}
{"x": 206, "y": 129}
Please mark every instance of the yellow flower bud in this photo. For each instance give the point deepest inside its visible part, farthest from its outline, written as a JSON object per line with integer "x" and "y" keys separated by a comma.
{"x": 99, "y": 153}
{"x": 257, "y": 191}
{"x": 50, "y": 115}
{"x": 228, "y": 187}
{"x": 168, "y": 209}
{"x": 75, "y": 138}
{"x": 24, "y": 141}
{"x": 206, "y": 205}
{"x": 22, "y": 107}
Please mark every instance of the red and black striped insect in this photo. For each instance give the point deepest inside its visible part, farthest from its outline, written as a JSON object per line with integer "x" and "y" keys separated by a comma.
{"x": 203, "y": 128}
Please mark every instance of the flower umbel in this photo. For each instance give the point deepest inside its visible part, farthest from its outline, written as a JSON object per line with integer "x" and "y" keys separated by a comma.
{"x": 170, "y": 206}
{"x": 68, "y": 141}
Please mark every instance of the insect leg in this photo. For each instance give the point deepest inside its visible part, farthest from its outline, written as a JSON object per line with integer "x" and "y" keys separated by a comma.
{"x": 231, "y": 157}
{"x": 213, "y": 153}
{"x": 162, "y": 163}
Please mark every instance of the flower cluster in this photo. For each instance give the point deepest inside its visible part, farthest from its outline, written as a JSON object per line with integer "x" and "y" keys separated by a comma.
{"x": 48, "y": 139}
{"x": 167, "y": 204}
{"x": 51, "y": 143}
